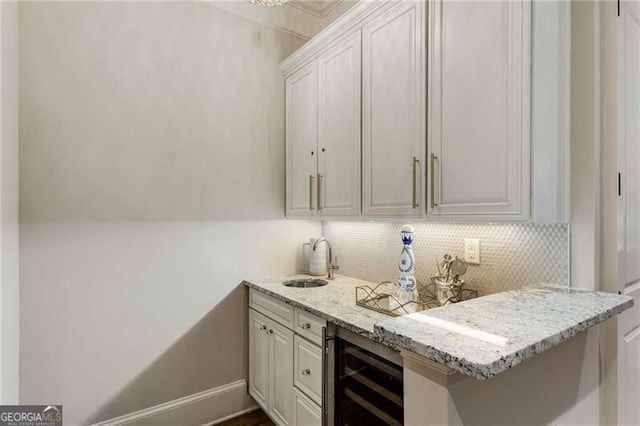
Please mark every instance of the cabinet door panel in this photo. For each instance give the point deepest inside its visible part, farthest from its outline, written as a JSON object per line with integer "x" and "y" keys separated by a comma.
{"x": 339, "y": 128}
{"x": 629, "y": 214}
{"x": 479, "y": 125}
{"x": 630, "y": 147}
{"x": 258, "y": 358}
{"x": 305, "y": 411}
{"x": 393, "y": 99}
{"x": 281, "y": 373}
{"x": 302, "y": 141}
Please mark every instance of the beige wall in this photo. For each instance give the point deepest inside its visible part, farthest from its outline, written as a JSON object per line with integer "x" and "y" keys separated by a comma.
{"x": 150, "y": 112}
{"x": 552, "y": 388}
{"x": 9, "y": 270}
{"x": 152, "y": 182}
{"x": 592, "y": 197}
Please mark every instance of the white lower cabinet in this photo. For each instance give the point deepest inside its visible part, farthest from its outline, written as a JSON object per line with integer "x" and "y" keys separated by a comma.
{"x": 259, "y": 358}
{"x": 285, "y": 368}
{"x": 305, "y": 411}
{"x": 281, "y": 348}
{"x": 270, "y": 362}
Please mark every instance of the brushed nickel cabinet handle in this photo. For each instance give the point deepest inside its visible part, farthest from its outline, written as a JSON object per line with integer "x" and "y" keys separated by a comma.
{"x": 434, "y": 158}
{"x": 311, "y": 179}
{"x": 416, "y": 163}
{"x": 320, "y": 181}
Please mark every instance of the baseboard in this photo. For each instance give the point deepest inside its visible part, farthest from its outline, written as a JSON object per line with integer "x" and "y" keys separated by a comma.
{"x": 204, "y": 408}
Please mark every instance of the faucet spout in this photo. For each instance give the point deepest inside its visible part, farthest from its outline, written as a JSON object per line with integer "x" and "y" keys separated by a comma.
{"x": 331, "y": 267}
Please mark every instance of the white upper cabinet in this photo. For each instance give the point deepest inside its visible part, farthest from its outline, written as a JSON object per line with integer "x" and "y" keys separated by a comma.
{"x": 302, "y": 141}
{"x": 393, "y": 115}
{"x": 479, "y": 97}
{"x": 339, "y": 129}
{"x": 416, "y": 113}
{"x": 323, "y": 134}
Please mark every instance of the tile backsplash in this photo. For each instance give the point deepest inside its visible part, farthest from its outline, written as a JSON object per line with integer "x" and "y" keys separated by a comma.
{"x": 511, "y": 255}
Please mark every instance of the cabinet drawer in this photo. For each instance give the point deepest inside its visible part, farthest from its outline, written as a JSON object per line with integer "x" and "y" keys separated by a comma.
{"x": 309, "y": 326}
{"x": 272, "y": 308}
{"x": 305, "y": 411}
{"x": 307, "y": 370}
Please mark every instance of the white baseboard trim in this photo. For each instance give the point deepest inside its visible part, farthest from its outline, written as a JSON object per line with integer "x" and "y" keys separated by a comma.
{"x": 208, "y": 407}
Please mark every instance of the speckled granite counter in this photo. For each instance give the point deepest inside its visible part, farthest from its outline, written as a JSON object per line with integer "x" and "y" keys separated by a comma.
{"x": 335, "y": 302}
{"x": 532, "y": 319}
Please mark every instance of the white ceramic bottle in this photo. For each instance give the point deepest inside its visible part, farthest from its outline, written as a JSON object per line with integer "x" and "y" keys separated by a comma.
{"x": 405, "y": 288}
{"x": 407, "y": 264}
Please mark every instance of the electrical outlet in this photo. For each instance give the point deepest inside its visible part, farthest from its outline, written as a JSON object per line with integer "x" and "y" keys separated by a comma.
{"x": 472, "y": 250}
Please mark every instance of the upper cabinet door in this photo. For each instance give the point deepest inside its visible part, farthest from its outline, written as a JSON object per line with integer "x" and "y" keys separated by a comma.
{"x": 302, "y": 142}
{"x": 339, "y": 129}
{"x": 629, "y": 147}
{"x": 393, "y": 113}
{"x": 479, "y": 87}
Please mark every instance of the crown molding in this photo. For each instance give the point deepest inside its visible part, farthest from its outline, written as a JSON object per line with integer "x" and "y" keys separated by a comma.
{"x": 350, "y": 21}
{"x": 317, "y": 8}
{"x": 288, "y": 19}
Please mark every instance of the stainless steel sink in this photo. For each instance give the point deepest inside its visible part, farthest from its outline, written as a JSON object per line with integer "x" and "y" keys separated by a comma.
{"x": 306, "y": 283}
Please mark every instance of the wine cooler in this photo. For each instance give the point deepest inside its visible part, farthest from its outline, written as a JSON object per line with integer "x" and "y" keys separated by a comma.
{"x": 365, "y": 382}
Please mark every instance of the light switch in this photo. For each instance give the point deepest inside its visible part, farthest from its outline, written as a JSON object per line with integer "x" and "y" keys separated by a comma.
{"x": 472, "y": 250}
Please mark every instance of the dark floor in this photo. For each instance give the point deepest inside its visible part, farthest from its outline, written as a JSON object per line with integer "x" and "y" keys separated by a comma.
{"x": 254, "y": 418}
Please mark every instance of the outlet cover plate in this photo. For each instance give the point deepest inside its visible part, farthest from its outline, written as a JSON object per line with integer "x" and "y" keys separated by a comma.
{"x": 472, "y": 250}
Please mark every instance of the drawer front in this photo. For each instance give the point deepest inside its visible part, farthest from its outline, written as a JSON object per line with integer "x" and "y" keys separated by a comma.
{"x": 272, "y": 308}
{"x": 305, "y": 411}
{"x": 307, "y": 373}
{"x": 309, "y": 326}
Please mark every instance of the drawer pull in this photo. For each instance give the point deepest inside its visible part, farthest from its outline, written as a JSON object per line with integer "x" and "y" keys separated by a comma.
{"x": 270, "y": 331}
{"x": 311, "y": 179}
{"x": 263, "y": 327}
{"x": 320, "y": 183}
{"x": 306, "y": 372}
{"x": 306, "y": 325}
{"x": 415, "y": 204}
{"x": 434, "y": 158}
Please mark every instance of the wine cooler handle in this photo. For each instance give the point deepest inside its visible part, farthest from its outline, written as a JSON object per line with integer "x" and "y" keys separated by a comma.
{"x": 326, "y": 349}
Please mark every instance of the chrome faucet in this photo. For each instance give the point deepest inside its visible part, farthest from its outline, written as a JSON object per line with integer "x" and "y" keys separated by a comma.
{"x": 331, "y": 266}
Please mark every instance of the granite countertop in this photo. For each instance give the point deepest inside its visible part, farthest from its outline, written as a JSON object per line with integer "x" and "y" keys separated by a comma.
{"x": 521, "y": 323}
{"x": 479, "y": 337}
{"x": 335, "y": 302}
